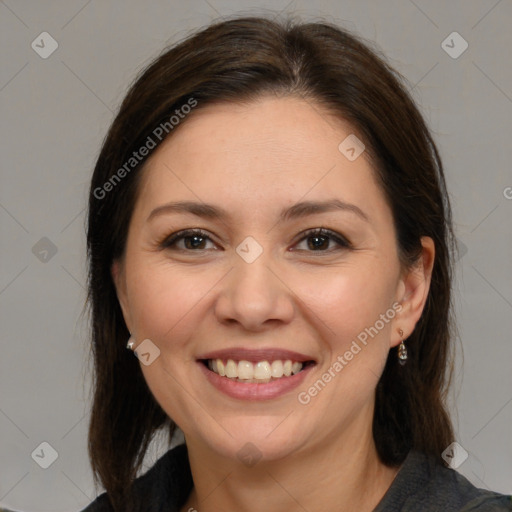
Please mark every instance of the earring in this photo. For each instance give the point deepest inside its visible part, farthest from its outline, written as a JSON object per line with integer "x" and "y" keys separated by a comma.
{"x": 131, "y": 343}
{"x": 402, "y": 349}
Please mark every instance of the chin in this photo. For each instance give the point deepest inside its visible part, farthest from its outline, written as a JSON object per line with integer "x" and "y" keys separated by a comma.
{"x": 257, "y": 439}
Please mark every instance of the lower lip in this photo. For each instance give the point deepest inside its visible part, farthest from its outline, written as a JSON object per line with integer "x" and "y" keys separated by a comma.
{"x": 267, "y": 391}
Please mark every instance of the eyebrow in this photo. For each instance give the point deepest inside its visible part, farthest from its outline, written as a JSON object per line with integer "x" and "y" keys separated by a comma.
{"x": 298, "y": 210}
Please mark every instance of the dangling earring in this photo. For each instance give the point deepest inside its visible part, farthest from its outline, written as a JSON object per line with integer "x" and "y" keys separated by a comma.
{"x": 402, "y": 349}
{"x": 131, "y": 343}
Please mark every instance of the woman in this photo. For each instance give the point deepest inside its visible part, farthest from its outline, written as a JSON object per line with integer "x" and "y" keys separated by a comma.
{"x": 269, "y": 232}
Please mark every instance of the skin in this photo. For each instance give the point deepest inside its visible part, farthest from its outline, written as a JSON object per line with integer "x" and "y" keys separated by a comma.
{"x": 255, "y": 160}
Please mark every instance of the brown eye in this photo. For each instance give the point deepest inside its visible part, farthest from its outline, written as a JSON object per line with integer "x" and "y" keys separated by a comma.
{"x": 322, "y": 240}
{"x": 194, "y": 242}
{"x": 316, "y": 243}
{"x": 191, "y": 240}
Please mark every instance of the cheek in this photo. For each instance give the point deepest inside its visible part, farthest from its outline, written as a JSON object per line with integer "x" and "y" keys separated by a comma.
{"x": 164, "y": 301}
{"x": 352, "y": 312}
{"x": 347, "y": 302}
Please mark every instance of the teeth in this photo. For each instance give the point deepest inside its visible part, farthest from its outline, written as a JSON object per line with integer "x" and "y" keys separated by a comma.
{"x": 260, "y": 372}
{"x": 245, "y": 370}
{"x": 231, "y": 369}
{"x": 277, "y": 369}
{"x": 221, "y": 369}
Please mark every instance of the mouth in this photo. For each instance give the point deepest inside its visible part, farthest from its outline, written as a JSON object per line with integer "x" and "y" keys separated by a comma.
{"x": 260, "y": 372}
{"x": 255, "y": 374}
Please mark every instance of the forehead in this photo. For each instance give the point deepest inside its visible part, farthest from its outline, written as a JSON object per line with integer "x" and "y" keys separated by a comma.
{"x": 259, "y": 154}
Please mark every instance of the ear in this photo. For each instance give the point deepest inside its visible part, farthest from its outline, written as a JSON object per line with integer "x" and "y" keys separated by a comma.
{"x": 117, "y": 272}
{"x": 413, "y": 292}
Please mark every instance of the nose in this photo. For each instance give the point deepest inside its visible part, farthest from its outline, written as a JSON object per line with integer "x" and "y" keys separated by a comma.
{"x": 255, "y": 297}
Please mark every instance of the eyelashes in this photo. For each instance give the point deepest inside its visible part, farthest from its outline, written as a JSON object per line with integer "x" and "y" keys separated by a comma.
{"x": 321, "y": 235}
{"x": 197, "y": 240}
{"x": 193, "y": 236}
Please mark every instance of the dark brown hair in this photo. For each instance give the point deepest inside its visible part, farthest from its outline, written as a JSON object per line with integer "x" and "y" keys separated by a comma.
{"x": 240, "y": 60}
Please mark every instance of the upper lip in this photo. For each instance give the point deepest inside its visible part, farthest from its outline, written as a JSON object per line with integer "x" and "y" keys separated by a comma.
{"x": 256, "y": 355}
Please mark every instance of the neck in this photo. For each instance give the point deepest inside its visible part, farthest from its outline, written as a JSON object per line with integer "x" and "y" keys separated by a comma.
{"x": 343, "y": 474}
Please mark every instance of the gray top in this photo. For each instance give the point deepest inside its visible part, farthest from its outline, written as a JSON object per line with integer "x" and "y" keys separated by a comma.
{"x": 421, "y": 485}
{"x": 424, "y": 485}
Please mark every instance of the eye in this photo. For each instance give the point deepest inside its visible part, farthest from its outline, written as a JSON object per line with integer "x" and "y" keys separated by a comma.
{"x": 322, "y": 240}
{"x": 188, "y": 240}
{"x": 196, "y": 240}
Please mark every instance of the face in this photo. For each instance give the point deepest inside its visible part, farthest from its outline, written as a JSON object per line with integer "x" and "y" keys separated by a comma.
{"x": 257, "y": 248}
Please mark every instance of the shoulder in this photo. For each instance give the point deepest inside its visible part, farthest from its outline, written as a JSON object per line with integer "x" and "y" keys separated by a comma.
{"x": 493, "y": 503}
{"x": 424, "y": 485}
{"x": 167, "y": 482}
{"x": 100, "y": 504}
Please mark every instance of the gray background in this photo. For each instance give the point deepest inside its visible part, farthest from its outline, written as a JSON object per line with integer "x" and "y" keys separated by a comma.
{"x": 55, "y": 113}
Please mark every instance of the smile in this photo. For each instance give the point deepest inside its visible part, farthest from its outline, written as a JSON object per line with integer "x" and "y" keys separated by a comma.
{"x": 261, "y": 372}
{"x": 248, "y": 374}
